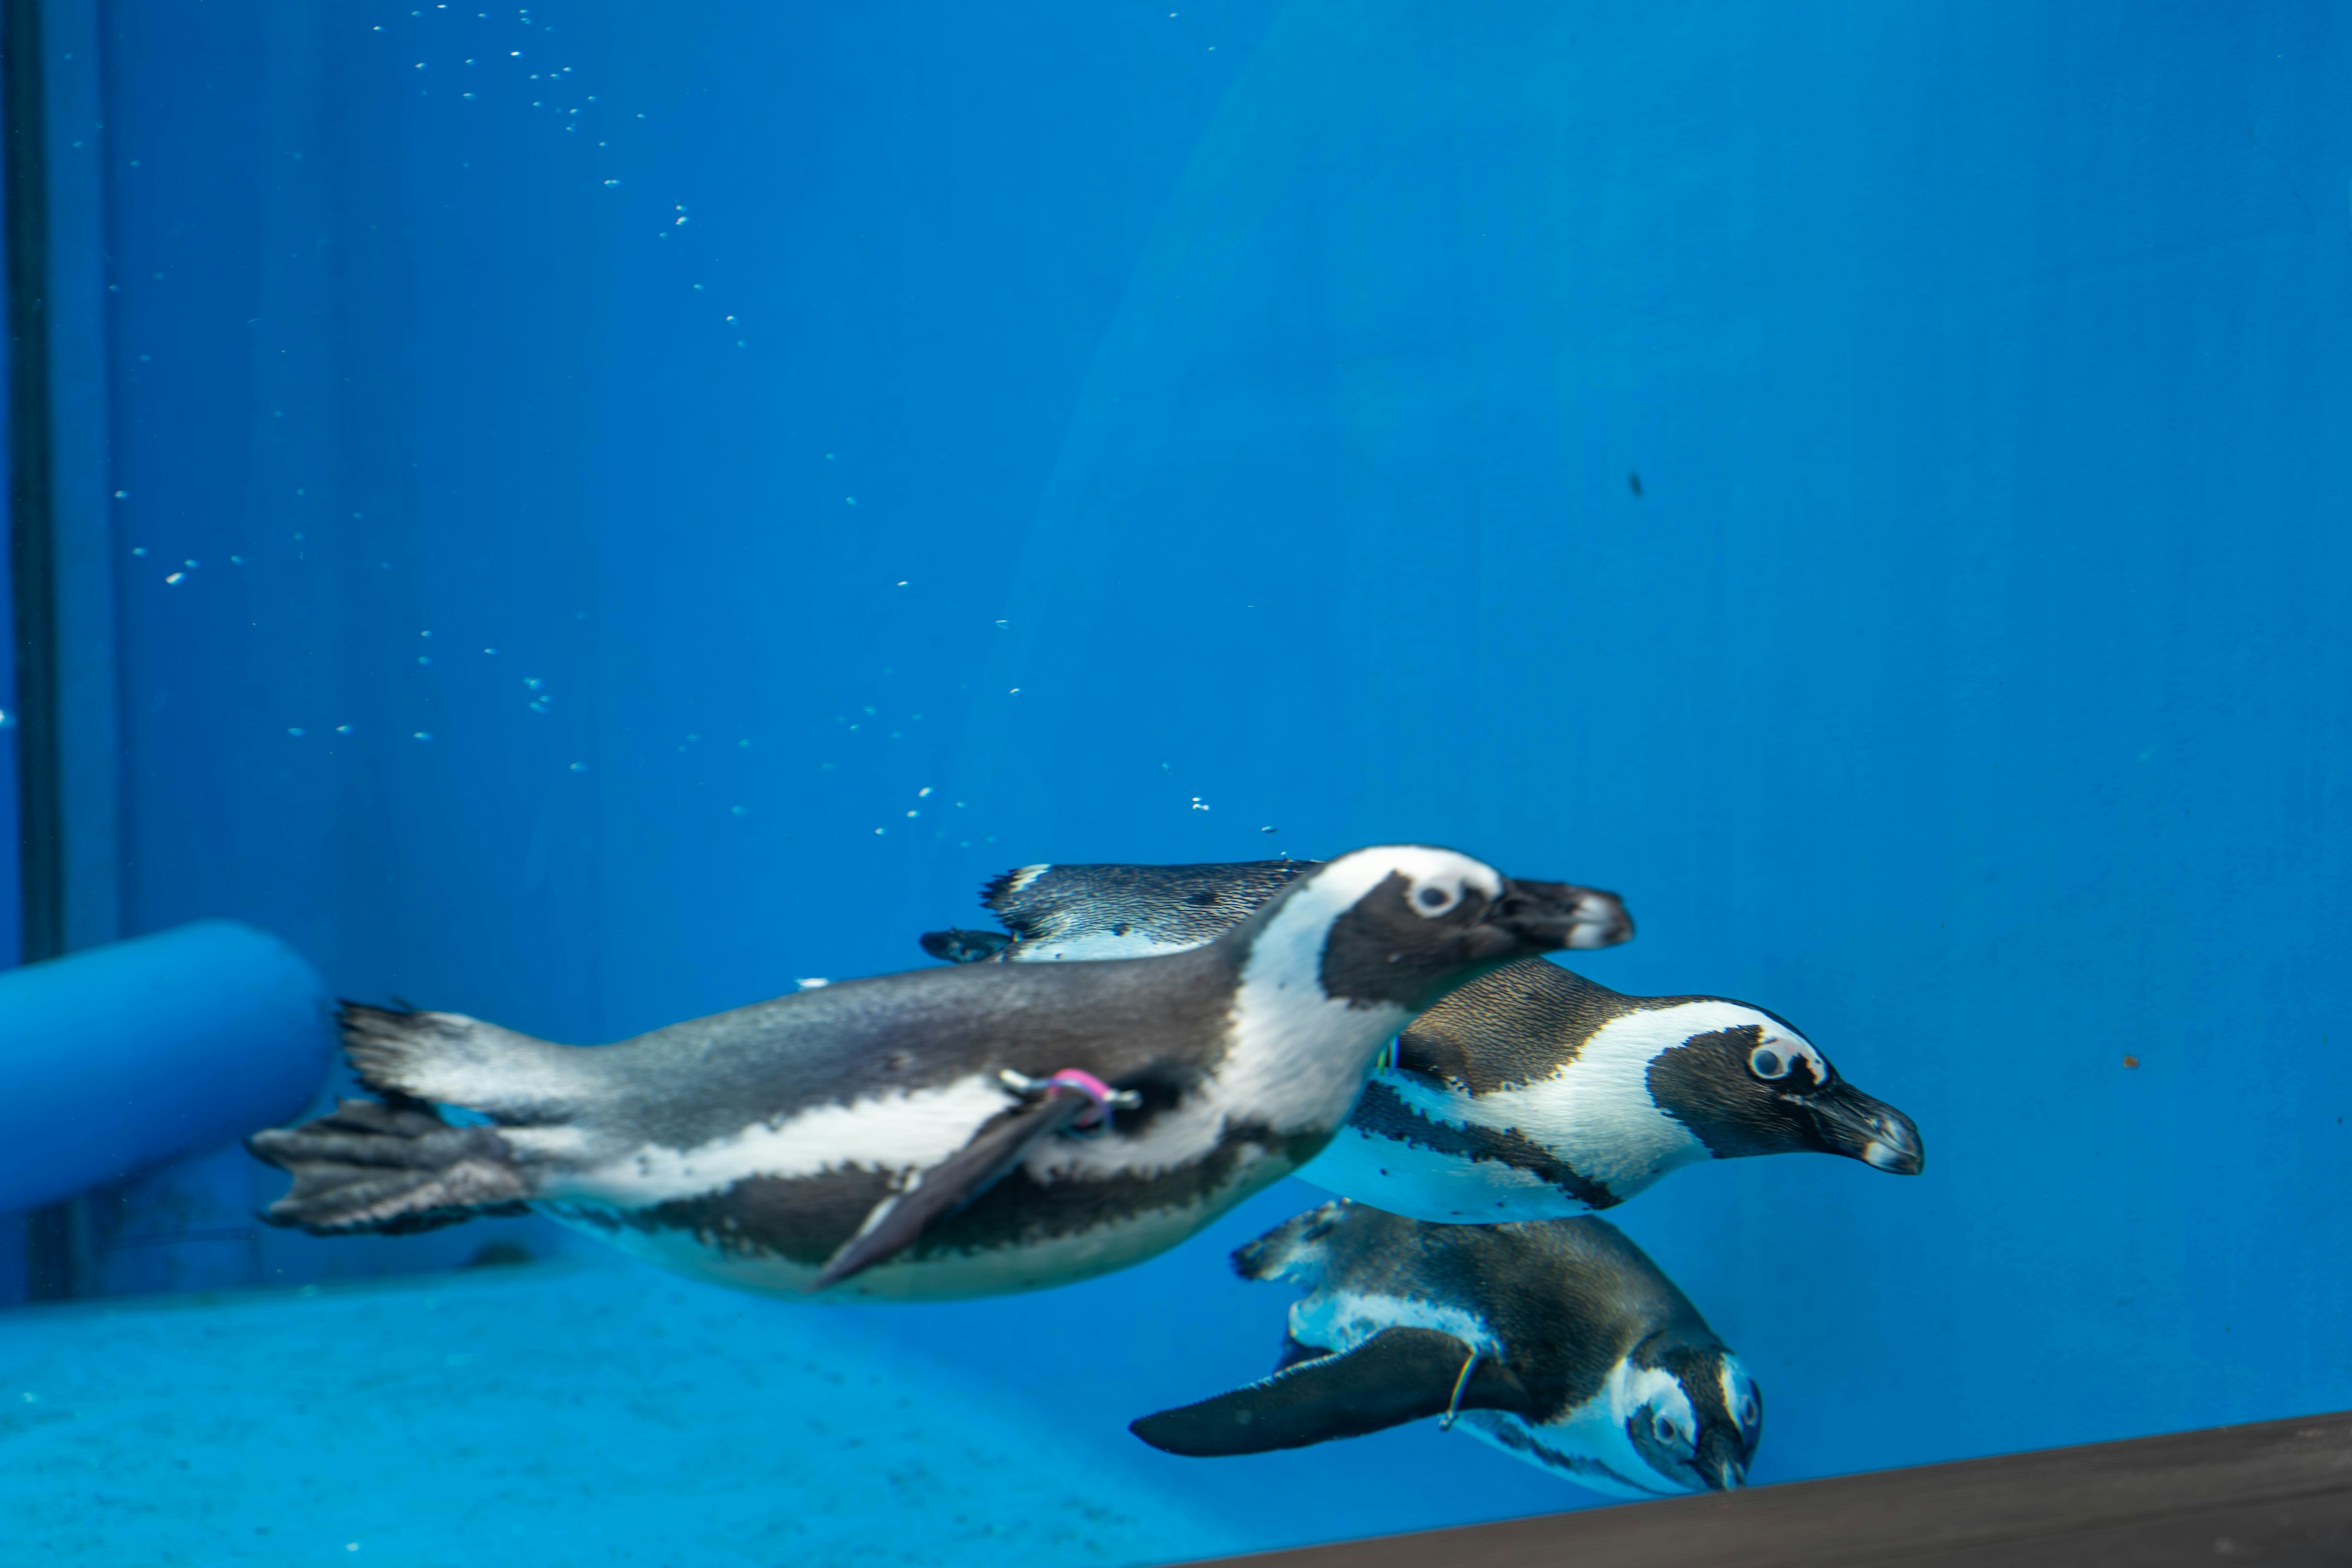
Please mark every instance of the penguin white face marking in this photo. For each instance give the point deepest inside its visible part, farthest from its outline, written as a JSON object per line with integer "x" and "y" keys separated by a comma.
{"x": 1671, "y": 1429}
{"x": 1431, "y": 900}
{"x": 1436, "y": 880}
{"x": 1664, "y": 1430}
{"x": 1436, "y": 894}
{"x": 1789, "y": 1060}
{"x": 1740, "y": 1397}
{"x": 1760, "y": 1088}
{"x": 1288, "y": 1067}
{"x": 1600, "y": 1444}
{"x": 1297, "y": 1056}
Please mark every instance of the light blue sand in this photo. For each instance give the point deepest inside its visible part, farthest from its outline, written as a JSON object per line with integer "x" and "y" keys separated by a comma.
{"x": 554, "y": 1416}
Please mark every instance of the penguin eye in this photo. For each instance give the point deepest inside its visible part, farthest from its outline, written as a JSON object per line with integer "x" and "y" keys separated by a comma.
{"x": 1436, "y": 901}
{"x": 1766, "y": 1063}
{"x": 1747, "y": 1410}
{"x": 1663, "y": 1425}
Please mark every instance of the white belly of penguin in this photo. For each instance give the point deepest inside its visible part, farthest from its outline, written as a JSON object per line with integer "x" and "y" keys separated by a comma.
{"x": 1594, "y": 1114}
{"x": 941, "y": 1276}
{"x": 1424, "y": 1183}
{"x": 1295, "y": 1063}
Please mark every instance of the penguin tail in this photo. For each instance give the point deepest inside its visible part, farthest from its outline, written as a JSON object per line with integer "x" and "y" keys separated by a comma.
{"x": 448, "y": 1059}
{"x": 389, "y": 1168}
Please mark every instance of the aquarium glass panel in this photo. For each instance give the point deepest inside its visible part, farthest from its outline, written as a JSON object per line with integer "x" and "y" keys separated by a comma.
{"x": 1089, "y": 783}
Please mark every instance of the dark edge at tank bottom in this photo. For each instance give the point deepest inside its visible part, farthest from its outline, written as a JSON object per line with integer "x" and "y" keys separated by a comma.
{"x": 2273, "y": 1492}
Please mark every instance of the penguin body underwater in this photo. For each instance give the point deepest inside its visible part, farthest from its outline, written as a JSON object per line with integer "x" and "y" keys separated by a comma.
{"x": 924, "y": 1136}
{"x": 1557, "y": 1341}
{"x": 1062, "y": 912}
{"x": 1529, "y": 1093}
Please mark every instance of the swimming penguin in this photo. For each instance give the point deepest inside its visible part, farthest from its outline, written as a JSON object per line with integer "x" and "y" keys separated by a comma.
{"x": 952, "y": 1132}
{"x": 1127, "y": 911}
{"x": 1529, "y": 1093}
{"x": 1557, "y": 1341}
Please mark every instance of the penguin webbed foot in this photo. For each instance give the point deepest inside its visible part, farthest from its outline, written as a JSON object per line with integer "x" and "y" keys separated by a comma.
{"x": 1065, "y": 1102}
{"x": 392, "y": 1167}
{"x": 1397, "y": 1375}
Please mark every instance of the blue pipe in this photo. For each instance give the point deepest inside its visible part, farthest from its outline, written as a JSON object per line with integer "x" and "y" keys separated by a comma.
{"x": 121, "y": 1056}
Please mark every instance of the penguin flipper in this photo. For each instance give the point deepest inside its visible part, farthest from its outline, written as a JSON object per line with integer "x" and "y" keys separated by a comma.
{"x": 1293, "y": 1353}
{"x": 391, "y": 1169}
{"x": 897, "y": 1220}
{"x": 1397, "y": 1375}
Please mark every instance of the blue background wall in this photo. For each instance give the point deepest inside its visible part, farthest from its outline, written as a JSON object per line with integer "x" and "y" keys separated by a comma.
{"x": 1259, "y": 390}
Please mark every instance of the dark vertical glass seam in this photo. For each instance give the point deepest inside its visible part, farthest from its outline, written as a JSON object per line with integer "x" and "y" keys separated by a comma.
{"x": 32, "y": 521}
{"x": 50, "y": 1250}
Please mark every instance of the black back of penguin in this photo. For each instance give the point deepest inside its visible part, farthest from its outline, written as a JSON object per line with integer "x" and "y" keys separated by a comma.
{"x": 1568, "y": 1299}
{"x": 1082, "y": 911}
{"x": 1151, "y": 1028}
{"x": 1557, "y": 1341}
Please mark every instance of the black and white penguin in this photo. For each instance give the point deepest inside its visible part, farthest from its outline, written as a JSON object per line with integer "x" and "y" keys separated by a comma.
{"x": 1529, "y": 1093}
{"x": 1557, "y": 1341}
{"x": 1129, "y": 911}
{"x": 952, "y": 1132}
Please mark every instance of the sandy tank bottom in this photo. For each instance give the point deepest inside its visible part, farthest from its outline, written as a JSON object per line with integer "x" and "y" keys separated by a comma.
{"x": 561, "y": 1414}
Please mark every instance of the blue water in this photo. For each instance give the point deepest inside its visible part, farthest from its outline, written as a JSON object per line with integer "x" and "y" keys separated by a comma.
{"x": 1090, "y": 414}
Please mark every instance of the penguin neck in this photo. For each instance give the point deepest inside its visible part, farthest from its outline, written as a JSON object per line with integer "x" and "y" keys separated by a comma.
{"x": 1295, "y": 1051}
{"x": 1589, "y": 1440}
{"x": 1596, "y": 1109}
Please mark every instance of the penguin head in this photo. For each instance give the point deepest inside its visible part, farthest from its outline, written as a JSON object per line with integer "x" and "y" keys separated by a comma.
{"x": 957, "y": 945}
{"x": 1753, "y": 1085}
{"x": 1697, "y": 1417}
{"x": 1401, "y": 924}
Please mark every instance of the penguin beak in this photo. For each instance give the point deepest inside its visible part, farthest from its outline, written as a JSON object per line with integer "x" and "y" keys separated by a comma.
{"x": 1547, "y": 916}
{"x": 1719, "y": 1462}
{"x": 1849, "y": 1123}
{"x": 1597, "y": 919}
